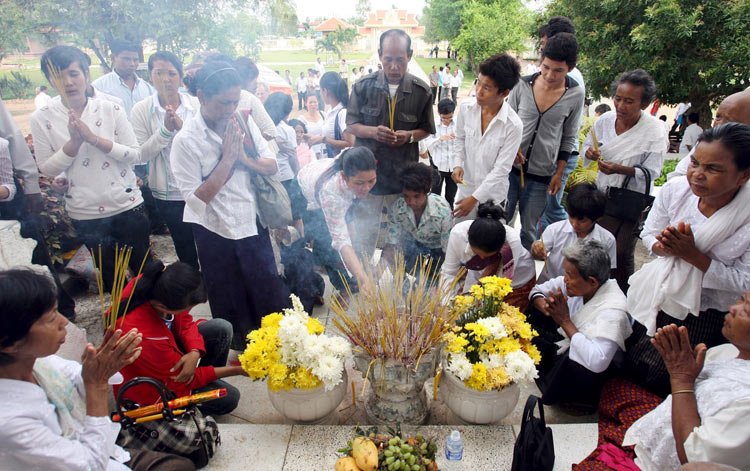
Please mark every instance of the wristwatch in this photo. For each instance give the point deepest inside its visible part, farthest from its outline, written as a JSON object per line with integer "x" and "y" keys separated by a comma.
{"x": 411, "y": 138}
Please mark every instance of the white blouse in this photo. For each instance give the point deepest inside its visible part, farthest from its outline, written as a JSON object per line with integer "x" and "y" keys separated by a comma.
{"x": 31, "y": 436}
{"x": 99, "y": 185}
{"x": 728, "y": 276}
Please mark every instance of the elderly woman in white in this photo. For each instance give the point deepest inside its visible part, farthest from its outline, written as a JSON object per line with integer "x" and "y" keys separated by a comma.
{"x": 582, "y": 325}
{"x": 699, "y": 227}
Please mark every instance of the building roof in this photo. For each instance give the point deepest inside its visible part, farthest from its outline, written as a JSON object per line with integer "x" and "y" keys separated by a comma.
{"x": 332, "y": 24}
{"x": 394, "y": 18}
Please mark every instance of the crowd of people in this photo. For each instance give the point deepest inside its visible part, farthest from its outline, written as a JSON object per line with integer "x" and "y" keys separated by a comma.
{"x": 193, "y": 144}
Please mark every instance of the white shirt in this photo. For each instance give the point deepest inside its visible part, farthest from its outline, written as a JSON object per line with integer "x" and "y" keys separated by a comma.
{"x": 6, "y": 169}
{"x": 446, "y": 78}
{"x": 99, "y": 185}
{"x": 320, "y": 68}
{"x": 329, "y": 125}
{"x": 486, "y": 158}
{"x": 442, "y": 151}
{"x": 250, "y": 102}
{"x": 315, "y": 128}
{"x": 113, "y": 84}
{"x": 681, "y": 108}
{"x": 559, "y": 235}
{"x": 31, "y": 437}
{"x": 41, "y": 100}
{"x": 690, "y": 137}
{"x": 286, "y": 139}
{"x": 594, "y": 354}
{"x": 459, "y": 252}
{"x": 196, "y": 151}
{"x": 147, "y": 117}
{"x": 728, "y": 276}
{"x": 301, "y": 85}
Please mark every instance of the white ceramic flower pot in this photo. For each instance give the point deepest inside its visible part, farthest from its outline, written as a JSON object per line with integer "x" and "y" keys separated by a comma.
{"x": 477, "y": 407}
{"x": 309, "y": 406}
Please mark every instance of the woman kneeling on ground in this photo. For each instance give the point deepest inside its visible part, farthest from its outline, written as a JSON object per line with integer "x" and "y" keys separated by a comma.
{"x": 187, "y": 356}
{"x": 55, "y": 414}
{"x": 582, "y": 325}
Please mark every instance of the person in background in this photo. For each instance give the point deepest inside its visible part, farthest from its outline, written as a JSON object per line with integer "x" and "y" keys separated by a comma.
{"x": 304, "y": 153}
{"x": 212, "y": 171}
{"x": 319, "y": 67}
{"x": 301, "y": 91}
{"x": 156, "y": 120}
{"x": 487, "y": 247}
{"x": 456, "y": 80}
{"x": 549, "y": 104}
{"x": 41, "y": 99}
{"x": 123, "y": 82}
{"x": 262, "y": 92}
{"x": 331, "y": 187}
{"x": 279, "y": 105}
{"x": 288, "y": 77}
{"x": 62, "y": 404}
{"x": 335, "y": 95}
{"x": 440, "y": 84}
{"x": 628, "y": 136}
{"x": 420, "y": 222}
{"x": 679, "y": 117}
{"x": 343, "y": 71}
{"x": 314, "y": 122}
{"x": 188, "y": 357}
{"x": 434, "y": 83}
{"x": 488, "y": 134}
{"x": 93, "y": 143}
{"x": 446, "y": 81}
{"x": 691, "y": 134}
{"x": 582, "y": 322}
{"x": 249, "y": 102}
{"x": 585, "y": 205}
{"x": 440, "y": 146}
{"x": 355, "y": 75}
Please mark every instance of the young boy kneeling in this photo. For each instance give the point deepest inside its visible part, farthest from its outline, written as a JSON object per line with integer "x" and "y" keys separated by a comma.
{"x": 420, "y": 222}
{"x": 585, "y": 205}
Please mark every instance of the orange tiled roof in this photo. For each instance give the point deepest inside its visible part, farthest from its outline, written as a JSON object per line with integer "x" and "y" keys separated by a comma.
{"x": 331, "y": 24}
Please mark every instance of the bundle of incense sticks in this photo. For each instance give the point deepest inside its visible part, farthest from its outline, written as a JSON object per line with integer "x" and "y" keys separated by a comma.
{"x": 392, "y": 112}
{"x": 595, "y": 142}
{"x": 56, "y": 80}
{"x": 122, "y": 261}
{"x": 180, "y": 402}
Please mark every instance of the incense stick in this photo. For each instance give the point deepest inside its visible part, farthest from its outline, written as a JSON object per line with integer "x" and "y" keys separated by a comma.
{"x": 56, "y": 80}
{"x": 392, "y": 112}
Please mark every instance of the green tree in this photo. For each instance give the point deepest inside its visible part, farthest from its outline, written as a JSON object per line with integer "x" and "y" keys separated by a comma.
{"x": 14, "y": 27}
{"x": 697, "y": 51}
{"x": 335, "y": 41}
{"x": 489, "y": 28}
{"x": 442, "y": 19}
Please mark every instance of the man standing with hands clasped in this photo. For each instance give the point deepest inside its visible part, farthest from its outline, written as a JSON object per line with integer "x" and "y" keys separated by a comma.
{"x": 389, "y": 112}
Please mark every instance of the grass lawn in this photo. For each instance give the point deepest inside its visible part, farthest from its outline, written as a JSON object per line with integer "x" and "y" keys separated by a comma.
{"x": 426, "y": 63}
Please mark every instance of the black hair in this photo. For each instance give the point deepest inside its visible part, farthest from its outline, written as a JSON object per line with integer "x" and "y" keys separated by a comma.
{"x": 61, "y": 57}
{"x": 352, "y": 161}
{"x": 333, "y": 82}
{"x": 213, "y": 77}
{"x": 441, "y": 68}
{"x": 246, "y": 68}
{"x": 638, "y": 78}
{"x": 503, "y": 70}
{"x": 586, "y": 201}
{"x": 663, "y": 117}
{"x": 694, "y": 117}
{"x": 296, "y": 122}
{"x": 218, "y": 57}
{"x": 278, "y": 105}
{"x": 398, "y": 33}
{"x": 558, "y": 24}
{"x": 446, "y": 105}
{"x": 602, "y": 108}
{"x": 25, "y": 296}
{"x": 42, "y": 88}
{"x": 123, "y": 45}
{"x": 487, "y": 232}
{"x": 735, "y": 137}
{"x": 177, "y": 286}
{"x": 417, "y": 177}
{"x": 165, "y": 56}
{"x": 562, "y": 47}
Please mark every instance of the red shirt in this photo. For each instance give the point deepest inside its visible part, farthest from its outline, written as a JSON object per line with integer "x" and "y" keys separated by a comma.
{"x": 162, "y": 349}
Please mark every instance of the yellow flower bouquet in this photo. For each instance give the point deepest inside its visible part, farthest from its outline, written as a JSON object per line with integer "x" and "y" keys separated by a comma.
{"x": 490, "y": 347}
{"x": 291, "y": 351}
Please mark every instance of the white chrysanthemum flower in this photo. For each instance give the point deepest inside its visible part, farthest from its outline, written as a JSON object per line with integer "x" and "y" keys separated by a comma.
{"x": 494, "y": 360}
{"x": 495, "y": 326}
{"x": 460, "y": 366}
{"x": 329, "y": 370}
{"x": 520, "y": 366}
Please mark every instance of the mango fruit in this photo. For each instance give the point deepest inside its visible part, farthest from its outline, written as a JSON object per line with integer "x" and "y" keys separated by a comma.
{"x": 346, "y": 463}
{"x": 365, "y": 454}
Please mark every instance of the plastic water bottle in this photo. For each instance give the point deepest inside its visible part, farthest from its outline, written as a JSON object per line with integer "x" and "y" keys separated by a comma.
{"x": 454, "y": 449}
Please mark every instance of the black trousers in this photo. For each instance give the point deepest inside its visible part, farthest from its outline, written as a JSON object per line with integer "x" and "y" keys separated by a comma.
{"x": 217, "y": 337}
{"x": 125, "y": 229}
{"x": 181, "y": 232}
{"x": 450, "y": 187}
{"x": 434, "y": 94}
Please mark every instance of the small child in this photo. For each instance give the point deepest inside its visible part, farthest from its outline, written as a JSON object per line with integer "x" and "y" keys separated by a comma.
{"x": 304, "y": 153}
{"x": 585, "y": 205}
{"x": 440, "y": 145}
{"x": 420, "y": 221}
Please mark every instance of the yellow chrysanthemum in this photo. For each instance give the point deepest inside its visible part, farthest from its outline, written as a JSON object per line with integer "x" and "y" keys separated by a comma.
{"x": 455, "y": 343}
{"x": 479, "y": 331}
{"x": 304, "y": 379}
{"x": 314, "y": 326}
{"x": 461, "y": 304}
{"x": 478, "y": 378}
{"x": 496, "y": 287}
{"x": 532, "y": 352}
{"x": 497, "y": 378}
{"x": 477, "y": 291}
{"x": 271, "y": 320}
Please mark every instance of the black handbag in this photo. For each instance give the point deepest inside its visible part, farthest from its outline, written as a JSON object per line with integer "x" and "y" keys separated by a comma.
{"x": 629, "y": 205}
{"x": 534, "y": 449}
{"x": 191, "y": 434}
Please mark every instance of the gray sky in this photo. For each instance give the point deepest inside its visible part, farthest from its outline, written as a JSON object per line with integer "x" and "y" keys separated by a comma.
{"x": 345, "y": 8}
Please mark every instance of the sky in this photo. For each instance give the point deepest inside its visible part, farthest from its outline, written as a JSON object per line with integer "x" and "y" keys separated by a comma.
{"x": 345, "y": 8}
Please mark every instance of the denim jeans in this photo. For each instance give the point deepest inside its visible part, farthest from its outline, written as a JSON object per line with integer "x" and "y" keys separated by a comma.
{"x": 531, "y": 201}
{"x": 555, "y": 211}
{"x": 217, "y": 335}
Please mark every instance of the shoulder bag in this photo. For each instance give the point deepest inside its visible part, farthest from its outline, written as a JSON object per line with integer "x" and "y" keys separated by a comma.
{"x": 272, "y": 201}
{"x": 191, "y": 434}
{"x": 629, "y": 205}
{"x": 534, "y": 449}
